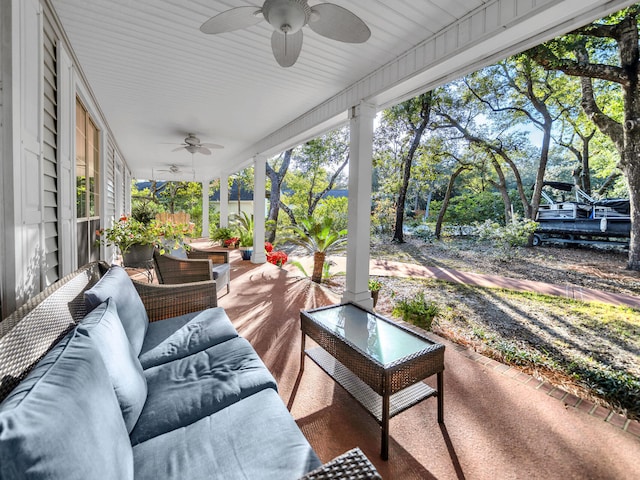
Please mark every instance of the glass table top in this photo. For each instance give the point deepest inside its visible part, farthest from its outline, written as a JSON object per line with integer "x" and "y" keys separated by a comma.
{"x": 380, "y": 339}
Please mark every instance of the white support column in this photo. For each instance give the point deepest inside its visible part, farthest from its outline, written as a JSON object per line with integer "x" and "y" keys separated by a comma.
{"x": 224, "y": 200}
{"x": 259, "y": 203}
{"x": 359, "y": 222}
{"x": 205, "y": 209}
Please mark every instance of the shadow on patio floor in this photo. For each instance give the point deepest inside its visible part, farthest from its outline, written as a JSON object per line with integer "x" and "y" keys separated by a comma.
{"x": 496, "y": 426}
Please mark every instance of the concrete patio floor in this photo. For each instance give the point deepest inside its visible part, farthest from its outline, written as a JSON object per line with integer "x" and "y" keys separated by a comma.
{"x": 499, "y": 423}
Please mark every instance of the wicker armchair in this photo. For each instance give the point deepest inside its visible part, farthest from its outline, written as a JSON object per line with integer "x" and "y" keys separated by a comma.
{"x": 171, "y": 269}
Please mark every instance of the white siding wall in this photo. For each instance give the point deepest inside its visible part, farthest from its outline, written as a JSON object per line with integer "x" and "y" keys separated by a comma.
{"x": 39, "y": 81}
{"x": 51, "y": 270}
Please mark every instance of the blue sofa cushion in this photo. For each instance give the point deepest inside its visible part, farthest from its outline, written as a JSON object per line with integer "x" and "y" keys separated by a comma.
{"x": 117, "y": 285}
{"x": 63, "y": 420}
{"x": 253, "y": 438}
{"x": 103, "y": 326}
{"x": 185, "y": 390}
{"x": 178, "y": 337}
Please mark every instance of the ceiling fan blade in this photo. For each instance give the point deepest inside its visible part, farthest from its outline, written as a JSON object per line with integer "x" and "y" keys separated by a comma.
{"x": 234, "y": 19}
{"x": 286, "y": 48}
{"x": 338, "y": 23}
{"x": 204, "y": 150}
{"x": 177, "y": 149}
{"x": 211, "y": 145}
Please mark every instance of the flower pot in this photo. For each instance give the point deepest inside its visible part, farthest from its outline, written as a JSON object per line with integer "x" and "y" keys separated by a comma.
{"x": 246, "y": 253}
{"x": 374, "y": 296}
{"x": 138, "y": 256}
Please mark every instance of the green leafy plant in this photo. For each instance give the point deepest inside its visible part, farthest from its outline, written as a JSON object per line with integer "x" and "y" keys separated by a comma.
{"x": 417, "y": 310}
{"x": 220, "y": 234}
{"x": 127, "y": 232}
{"x": 319, "y": 238}
{"x": 243, "y": 224}
{"x": 375, "y": 285}
{"x": 514, "y": 234}
{"x": 143, "y": 212}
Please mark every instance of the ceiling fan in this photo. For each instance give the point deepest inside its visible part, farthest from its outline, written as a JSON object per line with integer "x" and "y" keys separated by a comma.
{"x": 193, "y": 145}
{"x": 287, "y": 18}
{"x": 172, "y": 169}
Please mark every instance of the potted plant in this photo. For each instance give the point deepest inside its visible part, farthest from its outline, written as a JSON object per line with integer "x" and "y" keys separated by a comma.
{"x": 222, "y": 234}
{"x": 244, "y": 226}
{"x": 417, "y": 310}
{"x": 374, "y": 287}
{"x": 134, "y": 239}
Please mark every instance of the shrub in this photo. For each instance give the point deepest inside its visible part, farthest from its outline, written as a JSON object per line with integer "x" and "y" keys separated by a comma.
{"x": 144, "y": 212}
{"x": 515, "y": 234}
{"x": 423, "y": 232}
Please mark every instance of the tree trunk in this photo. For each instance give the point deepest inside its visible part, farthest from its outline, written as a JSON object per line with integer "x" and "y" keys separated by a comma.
{"x": 425, "y": 113}
{"x": 502, "y": 188}
{"x": 445, "y": 200}
{"x": 274, "y": 195}
{"x": 318, "y": 264}
{"x": 632, "y": 173}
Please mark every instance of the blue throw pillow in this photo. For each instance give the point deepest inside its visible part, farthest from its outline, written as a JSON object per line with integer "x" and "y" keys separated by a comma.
{"x": 103, "y": 326}
{"x": 117, "y": 285}
{"x": 63, "y": 420}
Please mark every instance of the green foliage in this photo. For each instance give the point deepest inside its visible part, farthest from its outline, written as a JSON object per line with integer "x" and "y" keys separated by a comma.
{"x": 243, "y": 225}
{"x": 374, "y": 284}
{"x": 316, "y": 235}
{"x": 515, "y": 234}
{"x": 383, "y": 217}
{"x": 336, "y": 208}
{"x": 423, "y": 232}
{"x": 220, "y": 233}
{"x": 467, "y": 209}
{"x": 417, "y": 310}
{"x": 144, "y": 212}
{"x": 127, "y": 232}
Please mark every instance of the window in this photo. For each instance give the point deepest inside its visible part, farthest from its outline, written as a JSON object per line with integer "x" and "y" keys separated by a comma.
{"x": 87, "y": 185}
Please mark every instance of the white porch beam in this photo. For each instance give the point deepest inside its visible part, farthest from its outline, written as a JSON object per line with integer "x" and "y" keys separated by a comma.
{"x": 359, "y": 222}
{"x": 259, "y": 203}
{"x": 490, "y": 33}
{"x": 205, "y": 209}
{"x": 224, "y": 200}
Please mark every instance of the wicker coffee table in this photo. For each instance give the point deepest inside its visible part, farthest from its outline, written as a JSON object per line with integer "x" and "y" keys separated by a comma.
{"x": 379, "y": 362}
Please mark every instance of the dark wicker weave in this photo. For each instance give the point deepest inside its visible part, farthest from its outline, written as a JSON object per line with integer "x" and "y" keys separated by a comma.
{"x": 198, "y": 267}
{"x": 32, "y": 330}
{"x": 216, "y": 256}
{"x": 384, "y": 390}
{"x": 174, "y": 270}
{"x": 166, "y": 301}
{"x": 352, "y": 465}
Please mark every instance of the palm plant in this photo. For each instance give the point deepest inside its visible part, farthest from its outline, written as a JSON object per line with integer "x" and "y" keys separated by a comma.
{"x": 244, "y": 225}
{"x": 319, "y": 238}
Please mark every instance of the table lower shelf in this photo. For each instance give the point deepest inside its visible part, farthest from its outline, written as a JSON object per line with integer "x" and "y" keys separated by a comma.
{"x": 363, "y": 393}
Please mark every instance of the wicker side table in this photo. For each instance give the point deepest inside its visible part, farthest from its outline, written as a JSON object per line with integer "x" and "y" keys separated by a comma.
{"x": 381, "y": 363}
{"x": 352, "y": 465}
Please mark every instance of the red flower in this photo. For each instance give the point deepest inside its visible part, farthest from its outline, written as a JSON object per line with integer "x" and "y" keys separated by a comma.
{"x": 124, "y": 218}
{"x": 277, "y": 258}
{"x": 268, "y": 247}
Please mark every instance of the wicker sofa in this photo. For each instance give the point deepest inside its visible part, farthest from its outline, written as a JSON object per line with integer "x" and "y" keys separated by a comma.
{"x": 102, "y": 377}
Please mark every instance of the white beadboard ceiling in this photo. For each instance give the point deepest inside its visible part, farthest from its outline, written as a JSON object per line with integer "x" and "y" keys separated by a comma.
{"x": 156, "y": 77}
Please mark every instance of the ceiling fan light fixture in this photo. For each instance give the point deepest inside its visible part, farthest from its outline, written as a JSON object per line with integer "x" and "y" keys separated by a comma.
{"x": 192, "y": 148}
{"x": 286, "y": 16}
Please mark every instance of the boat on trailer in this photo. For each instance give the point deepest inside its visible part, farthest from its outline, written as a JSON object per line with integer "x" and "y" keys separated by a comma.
{"x": 584, "y": 220}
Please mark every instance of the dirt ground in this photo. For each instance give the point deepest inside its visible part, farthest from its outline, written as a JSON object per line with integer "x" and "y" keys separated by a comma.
{"x": 586, "y": 267}
{"x": 558, "y": 342}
